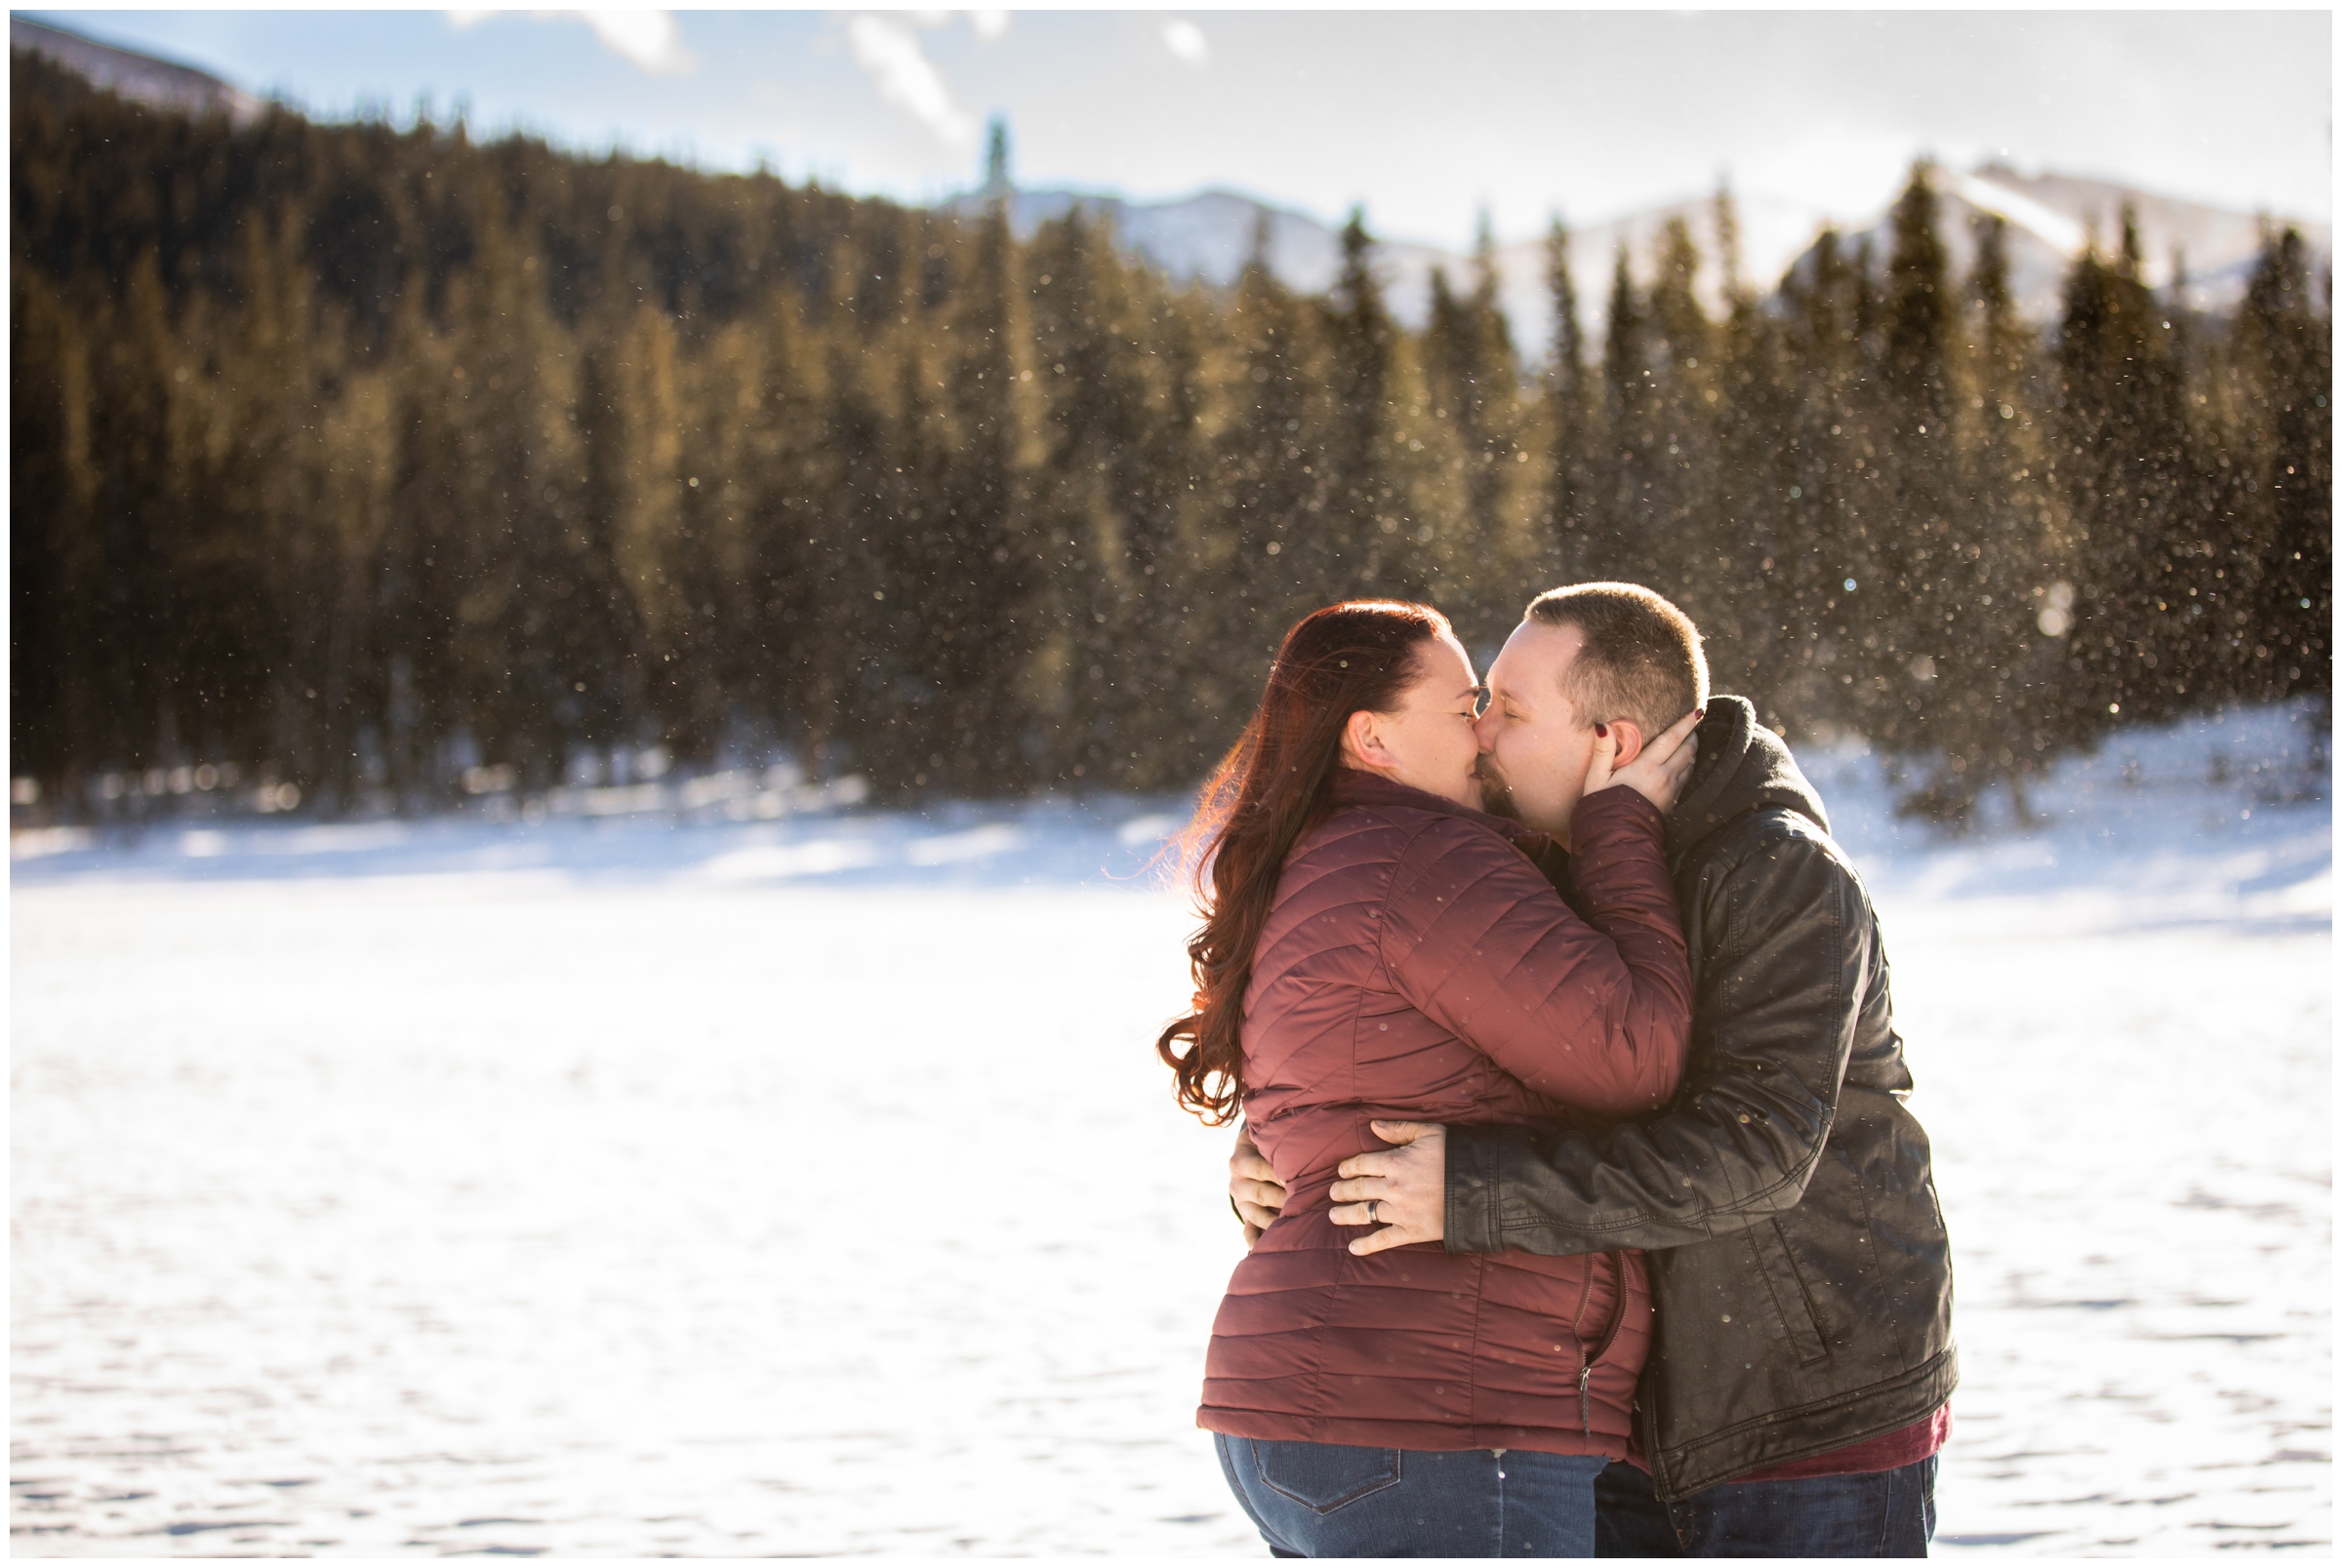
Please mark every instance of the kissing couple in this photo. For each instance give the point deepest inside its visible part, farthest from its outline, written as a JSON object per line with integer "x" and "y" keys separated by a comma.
{"x": 1585, "y": 1214}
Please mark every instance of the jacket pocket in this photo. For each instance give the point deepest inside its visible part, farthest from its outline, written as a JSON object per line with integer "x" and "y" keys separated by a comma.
{"x": 1591, "y": 1358}
{"x": 1324, "y": 1476}
{"x": 1769, "y": 1251}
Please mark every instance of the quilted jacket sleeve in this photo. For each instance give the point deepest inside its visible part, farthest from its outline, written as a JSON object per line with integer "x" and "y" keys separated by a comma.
{"x": 1593, "y": 1013}
{"x": 1787, "y": 995}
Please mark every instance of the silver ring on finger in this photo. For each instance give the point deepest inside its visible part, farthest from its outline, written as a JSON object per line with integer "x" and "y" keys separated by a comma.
{"x": 1372, "y": 1204}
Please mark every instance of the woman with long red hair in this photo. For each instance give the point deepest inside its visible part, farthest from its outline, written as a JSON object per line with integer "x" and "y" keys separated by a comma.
{"x": 1377, "y": 947}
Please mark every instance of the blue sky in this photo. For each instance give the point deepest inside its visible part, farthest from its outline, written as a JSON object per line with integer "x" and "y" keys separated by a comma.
{"x": 1424, "y": 116}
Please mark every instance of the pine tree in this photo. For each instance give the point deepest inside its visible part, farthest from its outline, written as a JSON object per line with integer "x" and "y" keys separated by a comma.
{"x": 1980, "y": 689}
{"x": 357, "y": 504}
{"x": 2283, "y": 356}
{"x": 1269, "y": 489}
{"x": 1742, "y": 616}
{"x": 986, "y": 567}
{"x": 1361, "y": 510}
{"x": 1571, "y": 471}
{"x": 517, "y": 488}
{"x": 996, "y": 159}
{"x": 626, "y": 509}
{"x": 845, "y": 690}
{"x": 1689, "y": 542}
{"x": 1919, "y": 561}
{"x": 2012, "y": 642}
{"x": 1474, "y": 379}
{"x": 1157, "y": 470}
{"x": 144, "y": 443}
{"x": 1100, "y": 498}
{"x": 1821, "y": 547}
{"x": 786, "y": 484}
{"x": 2121, "y": 435}
{"x": 52, "y": 735}
{"x": 1623, "y": 546}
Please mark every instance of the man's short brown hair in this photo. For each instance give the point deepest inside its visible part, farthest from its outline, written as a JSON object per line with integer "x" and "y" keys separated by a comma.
{"x": 1641, "y": 659}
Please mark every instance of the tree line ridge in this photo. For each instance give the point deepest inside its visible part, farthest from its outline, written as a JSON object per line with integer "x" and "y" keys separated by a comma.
{"x": 363, "y": 460}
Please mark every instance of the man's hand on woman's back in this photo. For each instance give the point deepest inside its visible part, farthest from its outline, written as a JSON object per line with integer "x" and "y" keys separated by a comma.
{"x": 1402, "y": 1188}
{"x": 1407, "y": 1184}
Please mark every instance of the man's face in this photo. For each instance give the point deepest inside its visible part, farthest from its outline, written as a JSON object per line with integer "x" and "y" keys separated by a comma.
{"x": 1535, "y": 750}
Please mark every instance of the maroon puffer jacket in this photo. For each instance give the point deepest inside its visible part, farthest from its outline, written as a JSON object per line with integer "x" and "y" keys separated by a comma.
{"x": 1417, "y": 966}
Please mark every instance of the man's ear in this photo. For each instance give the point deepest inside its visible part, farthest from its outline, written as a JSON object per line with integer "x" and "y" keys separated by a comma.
{"x": 1629, "y": 736}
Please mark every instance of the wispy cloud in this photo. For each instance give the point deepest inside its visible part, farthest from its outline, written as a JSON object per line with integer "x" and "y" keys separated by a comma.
{"x": 648, "y": 38}
{"x": 989, "y": 25}
{"x": 906, "y": 78}
{"x": 1186, "y": 40}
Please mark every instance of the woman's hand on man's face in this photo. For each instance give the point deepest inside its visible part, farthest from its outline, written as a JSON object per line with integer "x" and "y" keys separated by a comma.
{"x": 1658, "y": 770}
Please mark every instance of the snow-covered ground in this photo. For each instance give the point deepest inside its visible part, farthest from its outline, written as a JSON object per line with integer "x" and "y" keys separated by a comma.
{"x": 809, "y": 1185}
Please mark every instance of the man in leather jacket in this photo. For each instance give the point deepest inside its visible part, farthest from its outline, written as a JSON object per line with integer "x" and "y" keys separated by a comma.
{"x": 1799, "y": 1385}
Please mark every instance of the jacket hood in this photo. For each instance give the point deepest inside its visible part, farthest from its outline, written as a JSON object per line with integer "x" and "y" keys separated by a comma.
{"x": 1742, "y": 766}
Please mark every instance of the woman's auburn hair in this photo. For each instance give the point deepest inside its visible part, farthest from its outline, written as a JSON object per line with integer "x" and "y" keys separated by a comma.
{"x": 1271, "y": 789}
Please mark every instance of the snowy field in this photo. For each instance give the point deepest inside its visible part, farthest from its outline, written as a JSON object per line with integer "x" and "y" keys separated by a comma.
{"x": 809, "y": 1187}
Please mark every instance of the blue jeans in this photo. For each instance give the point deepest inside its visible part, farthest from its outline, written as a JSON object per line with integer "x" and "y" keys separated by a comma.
{"x": 1330, "y": 1500}
{"x": 1887, "y": 1515}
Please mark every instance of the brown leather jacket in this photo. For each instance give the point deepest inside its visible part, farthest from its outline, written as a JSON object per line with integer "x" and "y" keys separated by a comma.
{"x": 1787, "y": 1197}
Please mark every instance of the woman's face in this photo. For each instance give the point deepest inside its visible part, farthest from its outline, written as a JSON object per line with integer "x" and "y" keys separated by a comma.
{"x": 1429, "y": 741}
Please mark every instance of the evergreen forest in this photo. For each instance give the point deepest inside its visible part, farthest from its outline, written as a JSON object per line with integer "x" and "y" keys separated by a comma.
{"x": 374, "y": 460}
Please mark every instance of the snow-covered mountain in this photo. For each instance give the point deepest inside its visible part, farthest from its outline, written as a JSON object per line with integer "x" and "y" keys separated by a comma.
{"x": 1207, "y": 236}
{"x": 2051, "y": 216}
{"x": 135, "y": 76}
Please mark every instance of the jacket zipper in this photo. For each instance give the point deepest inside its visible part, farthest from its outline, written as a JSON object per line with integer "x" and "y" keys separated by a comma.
{"x": 1618, "y": 1319}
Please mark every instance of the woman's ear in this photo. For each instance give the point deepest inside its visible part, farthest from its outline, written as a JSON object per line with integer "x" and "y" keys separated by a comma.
{"x": 1362, "y": 743}
{"x": 1630, "y": 741}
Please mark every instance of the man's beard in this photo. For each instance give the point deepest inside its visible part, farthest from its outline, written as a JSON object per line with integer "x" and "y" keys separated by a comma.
{"x": 1496, "y": 795}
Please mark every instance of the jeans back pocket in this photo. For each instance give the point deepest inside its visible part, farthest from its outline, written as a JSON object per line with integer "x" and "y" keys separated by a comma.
{"x": 1323, "y": 1476}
